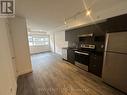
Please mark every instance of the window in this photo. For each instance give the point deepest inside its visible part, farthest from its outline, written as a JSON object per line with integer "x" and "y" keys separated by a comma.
{"x": 38, "y": 40}
{"x": 30, "y": 38}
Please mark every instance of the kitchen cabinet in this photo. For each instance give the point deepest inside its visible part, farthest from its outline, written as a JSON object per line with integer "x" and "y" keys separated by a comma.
{"x": 67, "y": 34}
{"x": 71, "y": 56}
{"x": 114, "y": 24}
{"x": 97, "y": 30}
{"x": 71, "y": 35}
{"x": 96, "y": 63}
{"x": 117, "y": 24}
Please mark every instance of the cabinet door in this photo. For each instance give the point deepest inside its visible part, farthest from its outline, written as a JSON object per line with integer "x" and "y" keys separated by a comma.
{"x": 117, "y": 24}
{"x": 71, "y": 36}
{"x": 66, "y": 36}
{"x": 96, "y": 63}
{"x": 71, "y": 56}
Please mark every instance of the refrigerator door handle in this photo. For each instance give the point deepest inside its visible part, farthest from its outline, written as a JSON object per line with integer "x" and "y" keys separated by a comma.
{"x": 106, "y": 42}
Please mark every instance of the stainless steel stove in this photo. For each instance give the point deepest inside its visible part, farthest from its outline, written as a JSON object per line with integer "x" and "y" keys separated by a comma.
{"x": 82, "y": 56}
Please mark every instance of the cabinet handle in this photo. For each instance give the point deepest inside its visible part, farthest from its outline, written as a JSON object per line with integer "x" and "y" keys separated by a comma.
{"x": 82, "y": 53}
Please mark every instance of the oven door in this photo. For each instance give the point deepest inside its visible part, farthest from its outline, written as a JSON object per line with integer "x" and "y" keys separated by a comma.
{"x": 82, "y": 60}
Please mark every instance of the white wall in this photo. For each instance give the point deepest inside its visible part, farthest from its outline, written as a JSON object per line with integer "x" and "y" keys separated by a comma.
{"x": 60, "y": 41}
{"x": 21, "y": 47}
{"x": 8, "y": 84}
{"x": 52, "y": 41}
{"x": 11, "y": 45}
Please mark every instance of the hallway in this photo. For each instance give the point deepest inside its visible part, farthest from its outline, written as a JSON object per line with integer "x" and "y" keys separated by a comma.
{"x": 53, "y": 76}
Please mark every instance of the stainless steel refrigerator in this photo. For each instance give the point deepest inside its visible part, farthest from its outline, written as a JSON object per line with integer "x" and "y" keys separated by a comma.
{"x": 115, "y": 61}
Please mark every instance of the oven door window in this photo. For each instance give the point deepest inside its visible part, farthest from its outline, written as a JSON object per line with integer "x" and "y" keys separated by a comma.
{"x": 82, "y": 59}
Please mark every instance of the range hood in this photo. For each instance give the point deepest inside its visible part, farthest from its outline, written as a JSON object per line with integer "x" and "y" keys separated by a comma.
{"x": 86, "y": 35}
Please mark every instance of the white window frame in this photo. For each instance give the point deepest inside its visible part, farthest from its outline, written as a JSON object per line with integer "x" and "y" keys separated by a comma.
{"x": 39, "y": 42}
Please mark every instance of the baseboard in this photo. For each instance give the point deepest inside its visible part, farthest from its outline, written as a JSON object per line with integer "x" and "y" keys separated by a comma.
{"x": 20, "y": 74}
{"x": 15, "y": 89}
{"x": 25, "y": 72}
{"x": 40, "y": 52}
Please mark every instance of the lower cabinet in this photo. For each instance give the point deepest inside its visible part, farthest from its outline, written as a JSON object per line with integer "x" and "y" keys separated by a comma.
{"x": 96, "y": 64}
{"x": 71, "y": 56}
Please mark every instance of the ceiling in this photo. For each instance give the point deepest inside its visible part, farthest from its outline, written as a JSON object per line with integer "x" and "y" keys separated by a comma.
{"x": 48, "y": 15}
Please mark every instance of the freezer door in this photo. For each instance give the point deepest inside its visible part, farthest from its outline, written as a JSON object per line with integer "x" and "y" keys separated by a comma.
{"x": 116, "y": 42}
{"x": 115, "y": 70}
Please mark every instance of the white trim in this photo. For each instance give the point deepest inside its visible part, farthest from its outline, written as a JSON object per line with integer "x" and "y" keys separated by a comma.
{"x": 24, "y": 72}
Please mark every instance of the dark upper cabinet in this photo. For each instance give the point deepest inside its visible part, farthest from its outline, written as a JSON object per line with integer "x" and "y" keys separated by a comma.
{"x": 101, "y": 29}
{"x": 114, "y": 24}
{"x": 71, "y": 35}
{"x": 67, "y": 34}
{"x": 117, "y": 24}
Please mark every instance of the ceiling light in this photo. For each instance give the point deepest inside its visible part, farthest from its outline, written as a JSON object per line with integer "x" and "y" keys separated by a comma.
{"x": 40, "y": 30}
{"x": 88, "y": 12}
{"x": 65, "y": 22}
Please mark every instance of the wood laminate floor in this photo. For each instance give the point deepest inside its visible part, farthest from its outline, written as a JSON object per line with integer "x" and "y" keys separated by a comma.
{"x": 53, "y": 76}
